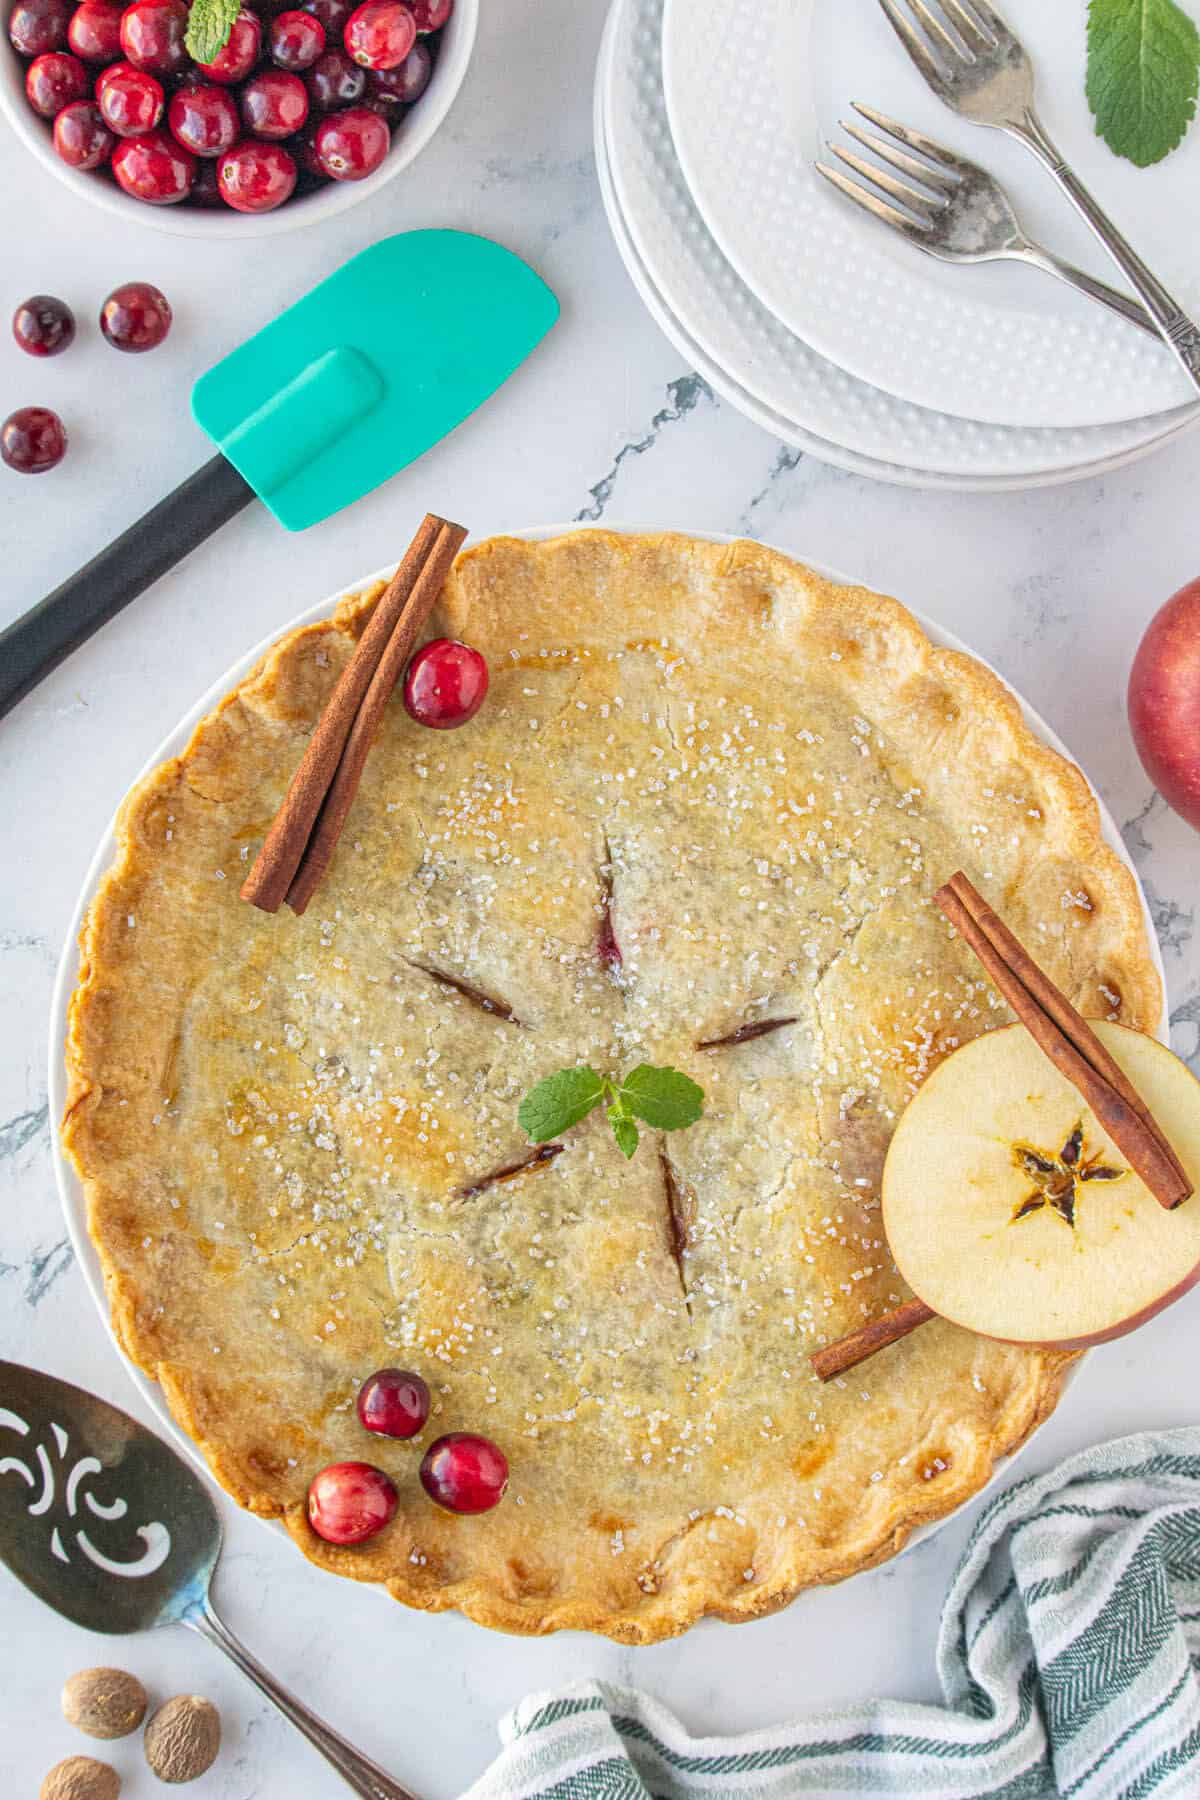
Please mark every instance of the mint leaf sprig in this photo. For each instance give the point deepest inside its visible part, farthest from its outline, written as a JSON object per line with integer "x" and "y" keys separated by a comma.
{"x": 1143, "y": 71}
{"x": 209, "y": 25}
{"x": 664, "y": 1099}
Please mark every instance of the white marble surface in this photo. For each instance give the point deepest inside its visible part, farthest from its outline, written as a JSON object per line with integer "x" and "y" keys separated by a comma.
{"x": 1054, "y": 587}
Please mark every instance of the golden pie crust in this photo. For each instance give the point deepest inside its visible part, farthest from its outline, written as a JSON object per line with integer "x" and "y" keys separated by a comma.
{"x": 763, "y": 777}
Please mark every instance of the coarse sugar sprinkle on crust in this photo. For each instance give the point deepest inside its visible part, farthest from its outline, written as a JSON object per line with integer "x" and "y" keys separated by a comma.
{"x": 709, "y": 792}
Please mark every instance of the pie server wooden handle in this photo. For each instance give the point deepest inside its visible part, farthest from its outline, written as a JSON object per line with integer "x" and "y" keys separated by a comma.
{"x": 49, "y": 631}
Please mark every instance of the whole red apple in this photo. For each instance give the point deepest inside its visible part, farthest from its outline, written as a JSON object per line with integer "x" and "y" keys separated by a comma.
{"x": 1164, "y": 702}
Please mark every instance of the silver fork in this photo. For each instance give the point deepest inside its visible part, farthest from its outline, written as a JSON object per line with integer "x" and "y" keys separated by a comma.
{"x": 973, "y": 62}
{"x": 952, "y": 209}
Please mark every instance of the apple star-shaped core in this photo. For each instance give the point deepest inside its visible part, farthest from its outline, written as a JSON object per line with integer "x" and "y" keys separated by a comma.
{"x": 1056, "y": 1176}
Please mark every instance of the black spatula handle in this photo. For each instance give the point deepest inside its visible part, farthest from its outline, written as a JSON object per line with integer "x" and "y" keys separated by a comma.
{"x": 48, "y": 632}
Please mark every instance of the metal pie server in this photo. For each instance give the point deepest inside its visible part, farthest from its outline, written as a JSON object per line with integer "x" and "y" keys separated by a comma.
{"x": 114, "y": 1531}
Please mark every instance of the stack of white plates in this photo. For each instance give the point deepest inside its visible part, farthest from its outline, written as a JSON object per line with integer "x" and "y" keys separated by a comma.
{"x": 832, "y": 333}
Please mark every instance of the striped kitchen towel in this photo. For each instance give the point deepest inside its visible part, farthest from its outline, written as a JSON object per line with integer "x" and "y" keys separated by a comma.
{"x": 1068, "y": 1659}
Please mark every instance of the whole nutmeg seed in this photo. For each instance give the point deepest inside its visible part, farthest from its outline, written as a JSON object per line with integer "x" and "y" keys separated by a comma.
{"x": 80, "y": 1778}
{"x": 105, "y": 1703}
{"x": 183, "y": 1737}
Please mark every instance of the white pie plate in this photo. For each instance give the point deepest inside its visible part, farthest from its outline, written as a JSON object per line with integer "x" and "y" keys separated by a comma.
{"x": 748, "y": 355}
{"x": 71, "y": 1192}
{"x": 754, "y": 88}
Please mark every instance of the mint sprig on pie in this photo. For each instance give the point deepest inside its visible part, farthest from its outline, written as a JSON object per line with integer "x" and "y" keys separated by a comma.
{"x": 665, "y": 1099}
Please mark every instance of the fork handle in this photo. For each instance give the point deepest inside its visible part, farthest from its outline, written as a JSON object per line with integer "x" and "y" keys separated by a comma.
{"x": 1173, "y": 324}
{"x": 362, "y": 1775}
{"x": 1040, "y": 258}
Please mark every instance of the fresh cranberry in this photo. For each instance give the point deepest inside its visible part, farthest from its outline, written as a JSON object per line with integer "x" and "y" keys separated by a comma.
{"x": 394, "y": 1403}
{"x": 351, "y": 145}
{"x": 447, "y": 682}
{"x": 154, "y": 168}
{"x": 274, "y": 104}
{"x": 464, "y": 1473}
{"x": 430, "y": 15}
{"x": 234, "y": 61}
{"x": 130, "y": 100}
{"x": 32, "y": 440}
{"x": 204, "y": 119}
{"x": 206, "y": 190}
{"x": 35, "y": 26}
{"x": 349, "y": 1502}
{"x": 43, "y": 325}
{"x": 295, "y": 40}
{"x": 95, "y": 31}
{"x": 380, "y": 33}
{"x": 304, "y": 149}
{"x": 152, "y": 35}
{"x": 256, "y": 177}
{"x": 331, "y": 15}
{"x": 136, "y": 316}
{"x": 400, "y": 87}
{"x": 53, "y": 80}
{"x": 335, "y": 82}
{"x": 81, "y": 137}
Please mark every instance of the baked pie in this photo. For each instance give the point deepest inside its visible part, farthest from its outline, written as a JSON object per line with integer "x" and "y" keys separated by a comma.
{"x": 697, "y": 823}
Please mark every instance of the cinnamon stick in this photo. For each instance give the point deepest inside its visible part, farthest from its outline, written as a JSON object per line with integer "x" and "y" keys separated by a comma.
{"x": 392, "y": 663}
{"x": 275, "y": 868}
{"x": 1066, "y": 1039}
{"x": 848, "y": 1352}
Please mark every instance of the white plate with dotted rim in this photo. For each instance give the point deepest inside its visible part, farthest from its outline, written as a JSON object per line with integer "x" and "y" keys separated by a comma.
{"x": 769, "y": 372}
{"x": 74, "y": 1203}
{"x": 755, "y": 87}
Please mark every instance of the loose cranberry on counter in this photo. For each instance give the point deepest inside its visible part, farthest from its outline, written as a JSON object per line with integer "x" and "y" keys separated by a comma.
{"x": 81, "y": 137}
{"x": 335, "y": 82}
{"x": 431, "y": 15}
{"x": 464, "y": 1473}
{"x": 394, "y": 1403}
{"x": 351, "y": 145}
{"x": 400, "y": 87}
{"x": 32, "y": 440}
{"x": 295, "y": 40}
{"x": 154, "y": 168}
{"x": 349, "y": 1502}
{"x": 152, "y": 34}
{"x": 130, "y": 100}
{"x": 135, "y": 317}
{"x": 204, "y": 119}
{"x": 35, "y": 26}
{"x": 44, "y": 325}
{"x": 256, "y": 177}
{"x": 446, "y": 682}
{"x": 274, "y": 104}
{"x": 379, "y": 34}
{"x": 95, "y": 31}
{"x": 53, "y": 81}
{"x": 240, "y": 52}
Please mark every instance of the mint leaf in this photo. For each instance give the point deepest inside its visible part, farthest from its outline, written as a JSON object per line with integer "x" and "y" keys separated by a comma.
{"x": 1142, "y": 75}
{"x": 624, "y": 1129}
{"x": 662, "y": 1098}
{"x": 209, "y": 25}
{"x": 559, "y": 1102}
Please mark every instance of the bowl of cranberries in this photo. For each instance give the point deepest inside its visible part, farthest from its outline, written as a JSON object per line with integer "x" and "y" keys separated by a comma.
{"x": 300, "y": 108}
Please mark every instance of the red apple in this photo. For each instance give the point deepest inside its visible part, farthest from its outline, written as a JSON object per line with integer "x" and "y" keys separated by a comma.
{"x": 1164, "y": 702}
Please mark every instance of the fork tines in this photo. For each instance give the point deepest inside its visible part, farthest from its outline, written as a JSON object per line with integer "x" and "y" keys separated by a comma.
{"x": 937, "y": 170}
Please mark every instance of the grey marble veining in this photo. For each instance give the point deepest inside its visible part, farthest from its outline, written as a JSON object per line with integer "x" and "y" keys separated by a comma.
{"x": 1053, "y": 586}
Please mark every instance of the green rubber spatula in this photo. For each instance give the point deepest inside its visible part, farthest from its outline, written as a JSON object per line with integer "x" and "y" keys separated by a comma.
{"x": 314, "y": 411}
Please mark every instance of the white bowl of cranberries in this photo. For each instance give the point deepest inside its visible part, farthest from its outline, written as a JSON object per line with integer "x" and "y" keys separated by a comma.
{"x": 212, "y": 121}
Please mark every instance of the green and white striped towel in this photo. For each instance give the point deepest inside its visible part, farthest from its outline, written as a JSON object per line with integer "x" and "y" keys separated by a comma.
{"x": 1068, "y": 1658}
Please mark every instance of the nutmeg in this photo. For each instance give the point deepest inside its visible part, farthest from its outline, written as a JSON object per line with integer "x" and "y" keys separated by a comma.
{"x": 104, "y": 1703}
{"x": 183, "y": 1737}
{"x": 80, "y": 1778}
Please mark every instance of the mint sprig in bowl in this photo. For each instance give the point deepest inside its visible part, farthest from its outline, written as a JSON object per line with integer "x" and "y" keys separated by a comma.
{"x": 409, "y": 137}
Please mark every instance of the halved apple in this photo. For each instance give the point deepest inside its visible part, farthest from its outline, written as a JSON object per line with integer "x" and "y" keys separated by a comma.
{"x": 1010, "y": 1211}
